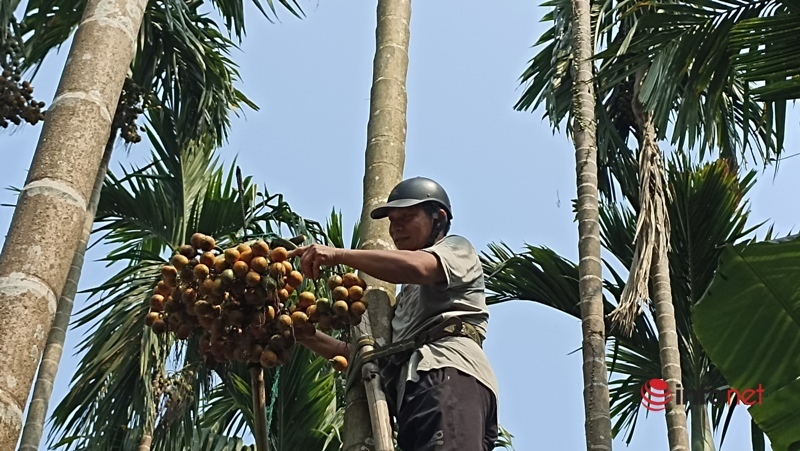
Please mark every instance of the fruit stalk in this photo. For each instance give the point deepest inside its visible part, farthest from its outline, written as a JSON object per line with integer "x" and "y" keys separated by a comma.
{"x": 259, "y": 408}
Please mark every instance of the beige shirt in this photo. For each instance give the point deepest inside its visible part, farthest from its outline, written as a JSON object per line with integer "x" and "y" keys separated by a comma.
{"x": 420, "y": 306}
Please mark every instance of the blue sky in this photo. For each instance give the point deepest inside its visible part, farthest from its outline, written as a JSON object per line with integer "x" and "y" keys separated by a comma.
{"x": 510, "y": 178}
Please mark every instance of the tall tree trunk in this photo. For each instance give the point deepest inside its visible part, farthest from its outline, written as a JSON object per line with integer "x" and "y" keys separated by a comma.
{"x": 702, "y": 437}
{"x": 259, "y": 407}
{"x": 43, "y": 389}
{"x": 677, "y": 433}
{"x": 145, "y": 442}
{"x": 51, "y": 210}
{"x": 385, "y": 158}
{"x": 595, "y": 376}
{"x": 653, "y": 199}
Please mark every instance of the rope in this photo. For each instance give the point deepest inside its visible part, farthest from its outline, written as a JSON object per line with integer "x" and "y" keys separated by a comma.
{"x": 273, "y": 395}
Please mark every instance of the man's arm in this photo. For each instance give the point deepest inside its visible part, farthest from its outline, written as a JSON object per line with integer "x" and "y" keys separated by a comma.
{"x": 393, "y": 266}
{"x": 325, "y": 346}
{"x": 410, "y": 267}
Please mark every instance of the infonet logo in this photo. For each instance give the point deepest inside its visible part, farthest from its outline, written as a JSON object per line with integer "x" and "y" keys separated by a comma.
{"x": 656, "y": 395}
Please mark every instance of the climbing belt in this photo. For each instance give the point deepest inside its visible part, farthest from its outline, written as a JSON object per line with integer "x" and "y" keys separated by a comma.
{"x": 396, "y": 354}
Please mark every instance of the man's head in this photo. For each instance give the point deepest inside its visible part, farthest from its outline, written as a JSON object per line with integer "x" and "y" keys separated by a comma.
{"x": 419, "y": 213}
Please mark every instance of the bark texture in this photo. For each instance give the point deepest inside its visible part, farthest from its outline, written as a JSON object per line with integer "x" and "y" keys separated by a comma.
{"x": 677, "y": 433}
{"x": 51, "y": 211}
{"x": 259, "y": 408}
{"x": 653, "y": 199}
{"x": 384, "y": 161}
{"x": 595, "y": 375}
{"x": 54, "y": 348}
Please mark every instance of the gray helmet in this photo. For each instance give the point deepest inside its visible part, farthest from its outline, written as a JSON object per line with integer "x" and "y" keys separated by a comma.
{"x": 411, "y": 192}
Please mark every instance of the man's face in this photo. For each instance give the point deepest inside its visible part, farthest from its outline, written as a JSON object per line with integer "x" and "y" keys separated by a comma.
{"x": 410, "y": 227}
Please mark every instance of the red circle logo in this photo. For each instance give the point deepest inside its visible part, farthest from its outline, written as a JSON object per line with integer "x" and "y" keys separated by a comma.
{"x": 656, "y": 395}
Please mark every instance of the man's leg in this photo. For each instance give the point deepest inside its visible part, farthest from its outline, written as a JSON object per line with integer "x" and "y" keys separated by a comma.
{"x": 490, "y": 428}
{"x": 446, "y": 410}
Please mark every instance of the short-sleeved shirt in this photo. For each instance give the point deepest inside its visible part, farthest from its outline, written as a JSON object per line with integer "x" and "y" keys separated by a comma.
{"x": 421, "y": 306}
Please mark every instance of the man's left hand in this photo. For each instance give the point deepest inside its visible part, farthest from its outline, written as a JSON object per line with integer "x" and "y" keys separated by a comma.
{"x": 313, "y": 256}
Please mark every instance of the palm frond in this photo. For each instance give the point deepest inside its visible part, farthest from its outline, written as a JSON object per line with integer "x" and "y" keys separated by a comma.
{"x": 232, "y": 12}
{"x": 708, "y": 210}
{"x": 548, "y": 81}
{"x": 182, "y": 60}
{"x": 694, "y": 81}
{"x": 305, "y": 393}
{"x": 145, "y": 214}
{"x": 142, "y": 215}
{"x": 228, "y": 408}
{"x": 765, "y": 52}
{"x": 206, "y": 440}
{"x": 110, "y": 390}
{"x": 542, "y": 276}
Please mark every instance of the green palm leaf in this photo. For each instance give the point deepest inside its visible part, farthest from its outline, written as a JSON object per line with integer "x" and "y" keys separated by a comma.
{"x": 228, "y": 408}
{"x": 748, "y": 322}
{"x": 182, "y": 59}
{"x": 122, "y": 356}
{"x": 692, "y": 85}
{"x": 707, "y": 211}
{"x": 205, "y": 440}
{"x": 548, "y": 81}
{"x": 110, "y": 389}
{"x": 7, "y": 8}
{"x": 305, "y": 393}
{"x": 776, "y": 68}
{"x": 694, "y": 79}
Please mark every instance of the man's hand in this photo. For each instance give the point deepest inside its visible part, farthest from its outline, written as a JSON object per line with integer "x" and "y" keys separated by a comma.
{"x": 313, "y": 256}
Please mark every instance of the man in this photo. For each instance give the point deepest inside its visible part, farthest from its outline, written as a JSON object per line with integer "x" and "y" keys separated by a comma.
{"x": 446, "y": 392}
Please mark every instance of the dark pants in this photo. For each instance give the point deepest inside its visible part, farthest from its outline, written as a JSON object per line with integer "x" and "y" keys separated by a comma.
{"x": 447, "y": 410}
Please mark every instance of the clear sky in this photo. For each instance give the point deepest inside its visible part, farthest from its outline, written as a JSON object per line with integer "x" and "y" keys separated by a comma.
{"x": 509, "y": 177}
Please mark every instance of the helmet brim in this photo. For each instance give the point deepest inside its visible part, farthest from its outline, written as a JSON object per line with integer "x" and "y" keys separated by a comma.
{"x": 383, "y": 210}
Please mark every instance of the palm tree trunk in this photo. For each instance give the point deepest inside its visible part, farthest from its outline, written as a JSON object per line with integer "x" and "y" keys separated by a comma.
{"x": 595, "y": 376}
{"x": 384, "y": 161}
{"x": 677, "y": 433}
{"x": 652, "y": 174}
{"x": 43, "y": 389}
{"x": 702, "y": 438}
{"x": 145, "y": 442}
{"x": 51, "y": 210}
{"x": 259, "y": 408}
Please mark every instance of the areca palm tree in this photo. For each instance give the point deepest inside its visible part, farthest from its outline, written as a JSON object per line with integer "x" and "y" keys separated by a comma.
{"x": 704, "y": 110}
{"x": 629, "y": 71}
{"x": 60, "y": 182}
{"x": 182, "y": 62}
{"x": 708, "y": 209}
{"x": 576, "y": 49}
{"x": 383, "y": 169}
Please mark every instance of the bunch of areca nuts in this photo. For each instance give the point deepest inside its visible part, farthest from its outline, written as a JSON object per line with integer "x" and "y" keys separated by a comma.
{"x": 16, "y": 95}
{"x": 245, "y": 304}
